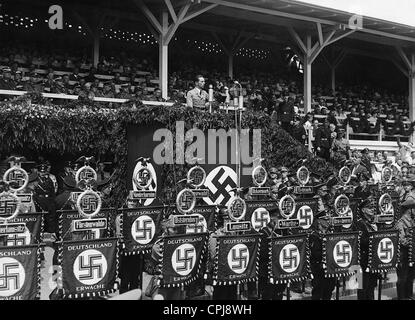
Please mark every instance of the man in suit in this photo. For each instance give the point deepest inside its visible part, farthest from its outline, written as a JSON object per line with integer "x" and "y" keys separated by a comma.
{"x": 197, "y": 97}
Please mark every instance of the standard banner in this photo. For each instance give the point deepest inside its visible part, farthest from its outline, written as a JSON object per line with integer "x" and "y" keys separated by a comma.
{"x": 259, "y": 213}
{"x": 305, "y": 211}
{"x": 182, "y": 257}
{"x": 141, "y": 144}
{"x": 383, "y": 251}
{"x": 32, "y": 224}
{"x": 289, "y": 259}
{"x": 89, "y": 268}
{"x": 208, "y": 213}
{"x": 20, "y": 272}
{"x": 85, "y": 231}
{"x": 140, "y": 228}
{"x": 341, "y": 251}
{"x": 236, "y": 259}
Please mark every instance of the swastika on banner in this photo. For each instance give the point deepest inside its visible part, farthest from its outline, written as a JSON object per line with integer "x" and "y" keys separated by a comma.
{"x": 7, "y": 207}
{"x": 385, "y": 250}
{"x": 289, "y": 258}
{"x": 220, "y": 181}
{"x": 12, "y": 276}
{"x": 90, "y": 267}
{"x": 260, "y": 218}
{"x": 238, "y": 258}
{"x": 19, "y": 239}
{"x": 342, "y": 253}
{"x": 151, "y": 187}
{"x": 89, "y": 204}
{"x": 305, "y": 216}
{"x": 143, "y": 229}
{"x": 183, "y": 259}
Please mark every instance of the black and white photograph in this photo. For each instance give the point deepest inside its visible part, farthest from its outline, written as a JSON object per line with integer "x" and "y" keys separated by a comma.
{"x": 209, "y": 155}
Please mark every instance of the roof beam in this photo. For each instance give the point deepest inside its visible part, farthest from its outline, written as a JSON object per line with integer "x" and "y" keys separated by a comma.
{"x": 171, "y": 10}
{"x": 195, "y": 13}
{"x": 152, "y": 19}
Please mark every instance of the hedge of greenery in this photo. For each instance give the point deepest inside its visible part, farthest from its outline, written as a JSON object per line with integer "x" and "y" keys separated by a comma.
{"x": 31, "y": 124}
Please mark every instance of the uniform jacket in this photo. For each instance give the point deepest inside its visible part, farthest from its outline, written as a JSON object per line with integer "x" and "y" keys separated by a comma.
{"x": 196, "y": 98}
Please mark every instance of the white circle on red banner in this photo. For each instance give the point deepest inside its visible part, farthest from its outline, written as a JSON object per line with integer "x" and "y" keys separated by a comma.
{"x": 385, "y": 250}
{"x": 90, "y": 267}
{"x": 183, "y": 259}
{"x": 342, "y": 253}
{"x": 260, "y": 218}
{"x": 305, "y": 217}
{"x": 220, "y": 181}
{"x": 289, "y": 258}
{"x": 143, "y": 229}
{"x": 238, "y": 258}
{"x": 12, "y": 276}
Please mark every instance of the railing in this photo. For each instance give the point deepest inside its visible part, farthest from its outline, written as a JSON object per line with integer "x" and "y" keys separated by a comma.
{"x": 75, "y": 97}
{"x": 378, "y": 143}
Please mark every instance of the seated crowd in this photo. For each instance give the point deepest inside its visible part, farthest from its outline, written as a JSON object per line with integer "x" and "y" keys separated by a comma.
{"x": 364, "y": 109}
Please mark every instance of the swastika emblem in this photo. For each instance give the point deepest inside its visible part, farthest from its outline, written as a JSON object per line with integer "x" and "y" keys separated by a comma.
{"x": 237, "y": 209}
{"x": 90, "y": 267}
{"x": 303, "y": 175}
{"x": 7, "y": 206}
{"x": 238, "y": 258}
{"x": 385, "y": 250}
{"x": 19, "y": 239}
{"x": 89, "y": 203}
{"x": 12, "y": 276}
{"x": 143, "y": 178}
{"x": 183, "y": 259}
{"x": 305, "y": 216}
{"x": 342, "y": 253}
{"x": 385, "y": 203}
{"x": 260, "y": 218}
{"x": 286, "y": 206}
{"x": 199, "y": 227}
{"x": 143, "y": 229}
{"x": 341, "y": 205}
{"x": 151, "y": 187}
{"x": 220, "y": 181}
{"x": 196, "y": 176}
{"x": 17, "y": 177}
{"x": 289, "y": 258}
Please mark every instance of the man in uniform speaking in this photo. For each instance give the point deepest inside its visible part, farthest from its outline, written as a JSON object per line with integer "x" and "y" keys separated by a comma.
{"x": 197, "y": 97}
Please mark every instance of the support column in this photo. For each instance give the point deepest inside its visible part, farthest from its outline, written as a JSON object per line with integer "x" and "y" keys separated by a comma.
{"x": 96, "y": 48}
{"x": 307, "y": 85}
{"x": 230, "y": 65}
{"x": 411, "y": 97}
{"x": 333, "y": 80}
{"x": 163, "y": 57}
{"x": 163, "y": 32}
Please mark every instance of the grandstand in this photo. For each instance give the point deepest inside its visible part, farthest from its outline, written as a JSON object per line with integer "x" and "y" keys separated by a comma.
{"x": 109, "y": 55}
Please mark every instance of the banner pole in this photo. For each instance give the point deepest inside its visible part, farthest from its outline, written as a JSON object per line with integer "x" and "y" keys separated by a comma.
{"x": 288, "y": 291}
{"x": 337, "y": 289}
{"x": 238, "y": 291}
{"x": 141, "y": 266}
{"x": 380, "y": 289}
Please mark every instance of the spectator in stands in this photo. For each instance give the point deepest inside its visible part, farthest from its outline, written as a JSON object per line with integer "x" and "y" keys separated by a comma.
{"x": 323, "y": 141}
{"x": 298, "y": 131}
{"x": 340, "y": 149}
{"x": 7, "y": 82}
{"x": 286, "y": 114}
{"x": 405, "y": 151}
{"x": 197, "y": 97}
